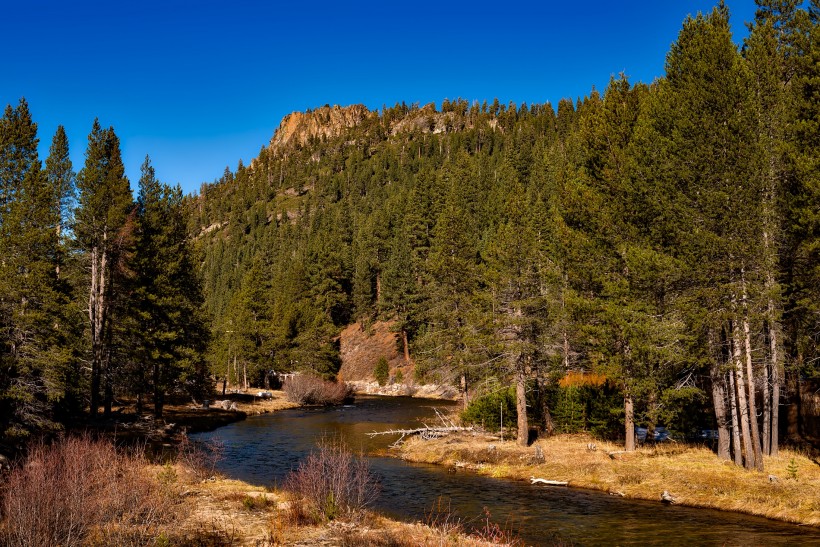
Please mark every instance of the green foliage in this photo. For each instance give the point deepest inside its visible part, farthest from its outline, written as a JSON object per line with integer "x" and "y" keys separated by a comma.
{"x": 382, "y": 371}
{"x": 629, "y": 234}
{"x": 487, "y": 410}
{"x": 791, "y": 469}
{"x": 597, "y": 409}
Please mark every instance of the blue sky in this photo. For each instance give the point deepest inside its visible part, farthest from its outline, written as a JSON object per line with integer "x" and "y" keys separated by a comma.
{"x": 197, "y": 85}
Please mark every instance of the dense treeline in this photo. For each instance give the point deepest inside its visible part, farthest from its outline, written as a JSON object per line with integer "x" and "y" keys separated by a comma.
{"x": 663, "y": 236}
{"x": 656, "y": 244}
{"x": 97, "y": 292}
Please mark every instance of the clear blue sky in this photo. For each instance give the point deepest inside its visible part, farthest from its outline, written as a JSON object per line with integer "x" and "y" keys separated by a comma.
{"x": 198, "y": 85}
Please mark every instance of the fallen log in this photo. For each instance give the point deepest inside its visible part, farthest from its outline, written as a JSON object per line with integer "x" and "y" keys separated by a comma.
{"x": 419, "y": 430}
{"x": 426, "y": 432}
{"x": 534, "y": 480}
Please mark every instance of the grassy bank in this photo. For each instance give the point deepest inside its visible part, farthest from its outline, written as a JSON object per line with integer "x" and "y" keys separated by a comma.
{"x": 85, "y": 492}
{"x": 694, "y": 476}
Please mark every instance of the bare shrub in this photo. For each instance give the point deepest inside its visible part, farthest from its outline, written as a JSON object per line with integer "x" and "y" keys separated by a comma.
{"x": 83, "y": 491}
{"x": 200, "y": 458}
{"x": 450, "y": 528}
{"x": 491, "y": 532}
{"x": 307, "y": 389}
{"x": 442, "y": 520}
{"x": 332, "y": 483}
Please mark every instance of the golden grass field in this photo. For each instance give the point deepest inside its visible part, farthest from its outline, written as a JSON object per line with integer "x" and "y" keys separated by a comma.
{"x": 694, "y": 476}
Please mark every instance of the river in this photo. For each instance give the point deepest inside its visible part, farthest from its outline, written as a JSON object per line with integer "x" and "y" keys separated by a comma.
{"x": 263, "y": 449}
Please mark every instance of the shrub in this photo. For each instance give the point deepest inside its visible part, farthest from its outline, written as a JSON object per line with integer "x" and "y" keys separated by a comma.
{"x": 486, "y": 410}
{"x": 200, "y": 458}
{"x": 332, "y": 483}
{"x": 84, "y": 491}
{"x": 382, "y": 371}
{"x": 307, "y": 389}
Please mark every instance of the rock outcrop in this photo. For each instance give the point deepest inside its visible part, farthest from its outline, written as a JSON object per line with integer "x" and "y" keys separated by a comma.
{"x": 326, "y": 122}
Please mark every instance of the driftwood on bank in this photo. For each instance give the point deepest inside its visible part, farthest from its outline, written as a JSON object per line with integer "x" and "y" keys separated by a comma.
{"x": 426, "y": 432}
{"x": 534, "y": 480}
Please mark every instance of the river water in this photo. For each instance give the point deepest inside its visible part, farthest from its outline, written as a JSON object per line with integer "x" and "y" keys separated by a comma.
{"x": 263, "y": 449}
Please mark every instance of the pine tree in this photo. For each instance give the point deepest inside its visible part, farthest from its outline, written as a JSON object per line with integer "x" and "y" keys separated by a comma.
{"x": 804, "y": 213}
{"x": 524, "y": 283}
{"x": 33, "y": 356}
{"x": 166, "y": 299}
{"x": 61, "y": 179}
{"x": 101, "y": 228}
{"x": 703, "y": 132}
{"x": 453, "y": 329}
{"x": 773, "y": 50}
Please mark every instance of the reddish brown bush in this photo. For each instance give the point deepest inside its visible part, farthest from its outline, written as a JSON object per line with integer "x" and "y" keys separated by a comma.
{"x": 200, "y": 458}
{"x": 82, "y": 491}
{"x": 332, "y": 483}
{"x": 307, "y": 389}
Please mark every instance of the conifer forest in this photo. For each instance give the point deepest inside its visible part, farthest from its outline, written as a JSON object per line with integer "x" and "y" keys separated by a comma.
{"x": 647, "y": 255}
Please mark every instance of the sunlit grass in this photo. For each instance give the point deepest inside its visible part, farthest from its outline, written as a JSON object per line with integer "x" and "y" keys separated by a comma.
{"x": 693, "y": 475}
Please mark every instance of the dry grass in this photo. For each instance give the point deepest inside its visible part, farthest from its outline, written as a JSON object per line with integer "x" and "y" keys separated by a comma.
{"x": 81, "y": 491}
{"x": 253, "y": 516}
{"x": 693, "y": 475}
{"x": 84, "y": 492}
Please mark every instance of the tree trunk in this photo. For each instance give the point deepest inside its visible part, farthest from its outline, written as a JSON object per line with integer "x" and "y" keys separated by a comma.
{"x": 738, "y": 452}
{"x": 742, "y": 403}
{"x": 521, "y": 403}
{"x": 772, "y": 316}
{"x": 719, "y": 403}
{"x": 97, "y": 315}
{"x": 775, "y": 427}
{"x": 378, "y": 288}
{"x": 747, "y": 343}
{"x": 464, "y": 398}
{"x": 776, "y": 371}
{"x": 108, "y": 397}
{"x": 157, "y": 391}
{"x": 767, "y": 409}
{"x": 406, "y": 345}
{"x": 629, "y": 423}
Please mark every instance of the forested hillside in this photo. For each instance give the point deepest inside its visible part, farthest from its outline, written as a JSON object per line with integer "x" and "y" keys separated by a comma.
{"x": 662, "y": 237}
{"x": 648, "y": 254}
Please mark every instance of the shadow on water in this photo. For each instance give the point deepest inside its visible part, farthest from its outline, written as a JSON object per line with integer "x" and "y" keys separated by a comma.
{"x": 263, "y": 449}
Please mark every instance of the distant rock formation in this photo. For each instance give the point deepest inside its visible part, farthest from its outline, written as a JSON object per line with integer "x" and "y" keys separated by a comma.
{"x": 327, "y": 122}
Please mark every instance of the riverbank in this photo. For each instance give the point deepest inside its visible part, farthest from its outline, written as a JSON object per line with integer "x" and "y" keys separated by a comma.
{"x": 231, "y": 512}
{"x": 692, "y": 476}
{"x": 86, "y": 491}
{"x": 126, "y": 424}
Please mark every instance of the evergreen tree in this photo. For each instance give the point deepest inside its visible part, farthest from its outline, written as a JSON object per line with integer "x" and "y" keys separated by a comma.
{"x": 34, "y": 358}
{"x": 703, "y": 132}
{"x": 61, "y": 179}
{"x": 166, "y": 298}
{"x": 102, "y": 229}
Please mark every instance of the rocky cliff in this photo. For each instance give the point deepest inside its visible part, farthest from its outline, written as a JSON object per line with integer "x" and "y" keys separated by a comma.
{"x": 325, "y": 122}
